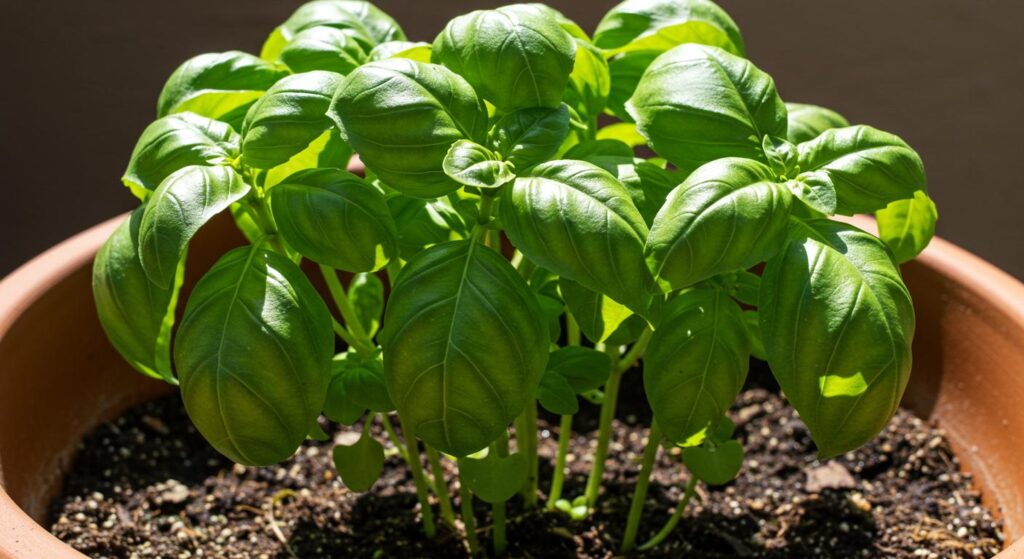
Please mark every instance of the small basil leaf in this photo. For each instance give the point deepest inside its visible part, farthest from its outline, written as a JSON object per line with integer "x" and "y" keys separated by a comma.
{"x": 723, "y": 431}
{"x": 837, "y": 323}
{"x": 589, "y": 83}
{"x": 696, "y": 364}
{"x": 663, "y": 24}
{"x": 728, "y": 215}
{"x": 556, "y": 395}
{"x": 516, "y": 56}
{"x": 471, "y": 164}
{"x": 218, "y": 85}
{"x": 753, "y": 322}
{"x": 465, "y": 345}
{"x": 781, "y": 156}
{"x": 746, "y": 288}
{"x": 287, "y": 118}
{"x": 815, "y": 189}
{"x": 325, "y": 48}
{"x": 494, "y": 479}
{"x": 907, "y": 226}
{"x": 177, "y": 141}
{"x": 715, "y": 465}
{"x": 339, "y": 405}
{"x": 420, "y": 52}
{"x": 136, "y": 315}
{"x": 527, "y": 137}
{"x": 364, "y": 384}
{"x": 578, "y": 221}
{"x": 253, "y": 354}
{"x": 402, "y": 132}
{"x": 868, "y": 167}
{"x": 672, "y": 111}
{"x": 366, "y": 292}
{"x": 582, "y": 368}
{"x": 181, "y": 205}
{"x": 359, "y": 464}
{"x": 357, "y": 15}
{"x": 806, "y": 122}
{"x": 598, "y": 316}
{"x": 627, "y": 332}
{"x": 335, "y": 218}
{"x": 421, "y": 223}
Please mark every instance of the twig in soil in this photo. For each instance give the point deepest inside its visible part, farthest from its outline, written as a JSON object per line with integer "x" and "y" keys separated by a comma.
{"x": 272, "y": 519}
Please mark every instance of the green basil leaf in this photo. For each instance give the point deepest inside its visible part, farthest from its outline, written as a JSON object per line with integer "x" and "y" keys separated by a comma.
{"x": 578, "y": 221}
{"x": 218, "y": 85}
{"x": 648, "y": 184}
{"x": 359, "y": 464}
{"x": 837, "y": 323}
{"x": 177, "y": 141}
{"x": 753, "y": 322}
{"x": 781, "y": 156}
{"x": 527, "y": 137}
{"x": 420, "y": 52}
{"x": 589, "y": 83}
{"x": 672, "y": 109}
{"x": 253, "y": 354}
{"x": 746, "y": 288}
{"x": 570, "y": 26}
{"x": 136, "y": 315}
{"x": 290, "y": 116}
{"x": 472, "y": 164}
{"x": 806, "y": 122}
{"x": 598, "y": 315}
{"x": 582, "y": 368}
{"x": 181, "y": 205}
{"x": 328, "y": 150}
{"x": 584, "y": 151}
{"x": 556, "y": 395}
{"x": 356, "y": 15}
{"x": 815, "y": 189}
{"x": 728, "y": 215}
{"x": 402, "y": 130}
{"x": 723, "y": 431}
{"x": 339, "y": 406}
{"x": 326, "y": 48}
{"x": 366, "y": 292}
{"x": 625, "y": 72}
{"x": 660, "y": 25}
{"x": 868, "y": 167}
{"x": 465, "y": 345}
{"x": 494, "y": 479}
{"x": 364, "y": 385}
{"x": 516, "y": 56}
{"x": 335, "y": 218}
{"x": 696, "y": 364}
{"x": 421, "y": 223}
{"x": 715, "y": 465}
{"x": 907, "y": 226}
{"x": 624, "y": 132}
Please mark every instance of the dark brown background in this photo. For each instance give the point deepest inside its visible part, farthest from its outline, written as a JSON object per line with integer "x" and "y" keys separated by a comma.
{"x": 81, "y": 80}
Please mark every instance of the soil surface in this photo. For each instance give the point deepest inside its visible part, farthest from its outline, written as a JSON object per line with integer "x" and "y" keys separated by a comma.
{"x": 147, "y": 485}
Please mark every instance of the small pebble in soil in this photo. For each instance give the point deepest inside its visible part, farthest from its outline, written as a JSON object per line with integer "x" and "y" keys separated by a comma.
{"x": 147, "y": 486}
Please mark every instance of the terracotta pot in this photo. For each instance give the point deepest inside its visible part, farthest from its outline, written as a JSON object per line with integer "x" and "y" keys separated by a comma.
{"x": 59, "y": 377}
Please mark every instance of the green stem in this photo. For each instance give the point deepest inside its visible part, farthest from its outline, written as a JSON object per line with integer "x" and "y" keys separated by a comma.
{"x": 564, "y": 438}
{"x": 468, "y": 519}
{"x": 499, "y": 544}
{"x": 440, "y": 485}
{"x": 635, "y": 352}
{"x": 363, "y": 342}
{"x": 573, "y": 336}
{"x": 418, "y": 478}
{"x": 691, "y": 487}
{"x": 526, "y": 438}
{"x": 636, "y": 507}
{"x": 393, "y": 436}
{"x": 611, "y": 395}
{"x": 344, "y": 334}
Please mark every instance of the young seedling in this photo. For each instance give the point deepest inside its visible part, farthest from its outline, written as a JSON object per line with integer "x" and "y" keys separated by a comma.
{"x": 510, "y": 243}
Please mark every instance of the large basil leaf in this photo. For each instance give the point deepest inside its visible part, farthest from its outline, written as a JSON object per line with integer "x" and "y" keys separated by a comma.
{"x": 177, "y": 141}
{"x": 589, "y": 83}
{"x": 182, "y": 204}
{"x": 660, "y": 25}
{"x": 218, "y": 85}
{"x": 868, "y": 167}
{"x": 806, "y": 122}
{"x": 728, "y": 215}
{"x": 695, "y": 104}
{"x": 136, "y": 314}
{"x": 696, "y": 364}
{"x": 291, "y": 114}
{"x": 356, "y": 15}
{"x": 527, "y": 137}
{"x": 402, "y": 116}
{"x": 472, "y": 164}
{"x": 253, "y": 354}
{"x": 335, "y": 218}
{"x": 465, "y": 345}
{"x": 907, "y": 226}
{"x": 326, "y": 48}
{"x": 837, "y": 324}
{"x": 578, "y": 221}
{"x": 515, "y": 56}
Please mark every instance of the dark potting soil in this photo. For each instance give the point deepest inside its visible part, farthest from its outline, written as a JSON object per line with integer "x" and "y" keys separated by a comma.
{"x": 148, "y": 485}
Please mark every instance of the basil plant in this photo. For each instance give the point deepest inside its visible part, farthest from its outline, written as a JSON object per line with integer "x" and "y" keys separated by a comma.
{"x": 536, "y": 210}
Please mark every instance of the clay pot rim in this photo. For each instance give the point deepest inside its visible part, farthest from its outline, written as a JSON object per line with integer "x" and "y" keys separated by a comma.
{"x": 20, "y": 536}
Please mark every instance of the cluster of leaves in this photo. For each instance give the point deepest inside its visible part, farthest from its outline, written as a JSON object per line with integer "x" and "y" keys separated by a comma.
{"x": 532, "y": 252}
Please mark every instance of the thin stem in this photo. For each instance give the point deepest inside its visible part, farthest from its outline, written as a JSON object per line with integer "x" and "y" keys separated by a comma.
{"x": 344, "y": 334}
{"x": 499, "y": 544}
{"x": 635, "y": 352}
{"x": 691, "y": 487}
{"x": 564, "y": 438}
{"x": 468, "y": 519}
{"x": 611, "y": 395}
{"x": 572, "y": 328}
{"x": 393, "y": 436}
{"x": 636, "y": 507}
{"x": 348, "y": 312}
{"x": 440, "y": 485}
{"x": 526, "y": 438}
{"x": 418, "y": 478}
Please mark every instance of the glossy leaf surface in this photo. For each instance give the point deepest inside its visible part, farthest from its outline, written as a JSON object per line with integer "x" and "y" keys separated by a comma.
{"x": 806, "y": 122}
{"x": 663, "y": 24}
{"x": 907, "y": 226}
{"x": 325, "y": 48}
{"x": 472, "y": 164}
{"x": 527, "y": 137}
{"x": 420, "y": 52}
{"x": 218, "y": 85}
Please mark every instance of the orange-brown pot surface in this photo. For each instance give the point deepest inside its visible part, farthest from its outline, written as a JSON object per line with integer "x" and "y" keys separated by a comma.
{"x": 59, "y": 377}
